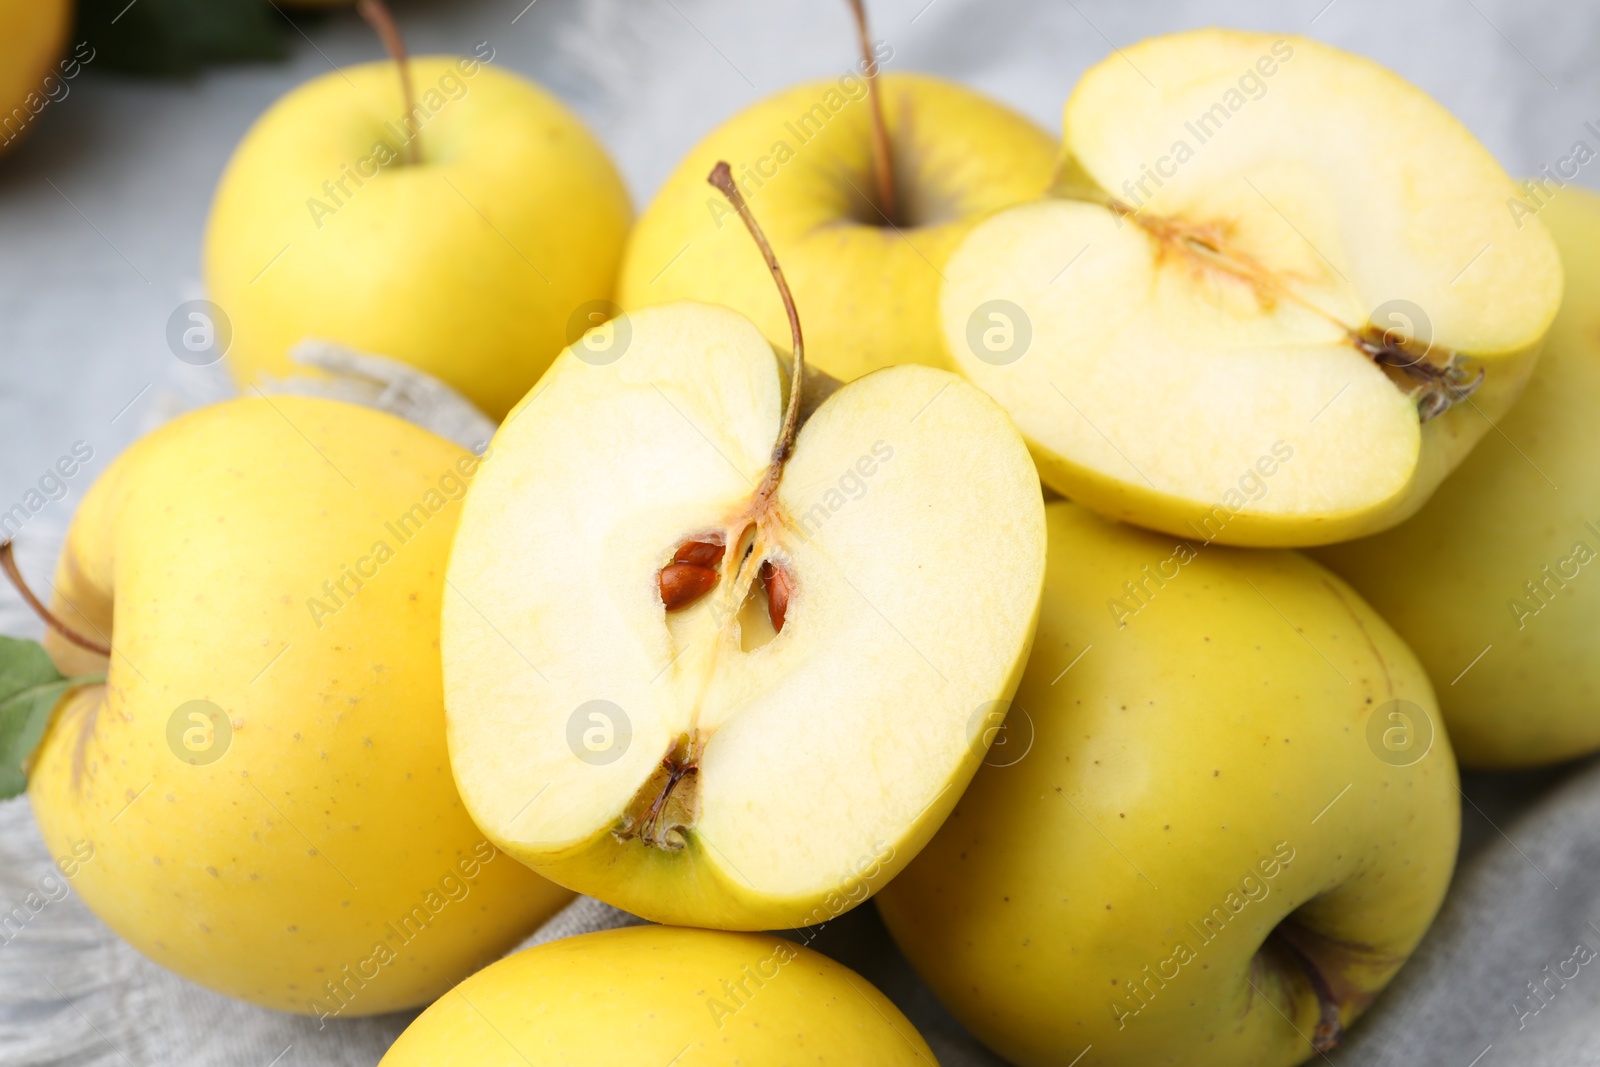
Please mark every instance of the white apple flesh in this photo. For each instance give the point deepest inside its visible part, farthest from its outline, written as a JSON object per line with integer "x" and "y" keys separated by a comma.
{"x": 740, "y": 776}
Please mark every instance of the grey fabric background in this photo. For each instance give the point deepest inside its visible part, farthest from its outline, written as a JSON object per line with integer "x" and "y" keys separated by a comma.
{"x": 101, "y": 212}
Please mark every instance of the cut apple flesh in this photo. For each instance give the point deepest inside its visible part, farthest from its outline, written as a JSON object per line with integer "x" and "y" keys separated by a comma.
{"x": 1259, "y": 304}
{"x": 766, "y": 757}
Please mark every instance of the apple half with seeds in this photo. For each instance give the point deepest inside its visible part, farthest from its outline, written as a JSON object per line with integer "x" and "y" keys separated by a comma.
{"x": 1277, "y": 295}
{"x": 719, "y": 683}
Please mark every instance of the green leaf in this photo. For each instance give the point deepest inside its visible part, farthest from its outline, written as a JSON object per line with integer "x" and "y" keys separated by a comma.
{"x": 30, "y": 689}
{"x": 176, "y": 38}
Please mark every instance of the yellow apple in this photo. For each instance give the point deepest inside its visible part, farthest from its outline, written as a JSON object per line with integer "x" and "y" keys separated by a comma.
{"x": 1271, "y": 278}
{"x": 472, "y": 263}
{"x": 1492, "y": 582}
{"x": 262, "y": 780}
{"x": 1236, "y": 819}
{"x": 32, "y": 33}
{"x": 803, "y": 158}
{"x": 657, "y": 995}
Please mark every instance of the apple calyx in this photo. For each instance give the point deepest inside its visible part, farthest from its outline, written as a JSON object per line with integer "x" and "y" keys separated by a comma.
{"x": 378, "y": 16}
{"x": 1439, "y": 387}
{"x": 1436, "y": 386}
{"x": 8, "y": 564}
{"x": 667, "y": 807}
{"x": 1329, "y": 1030}
{"x": 882, "y": 157}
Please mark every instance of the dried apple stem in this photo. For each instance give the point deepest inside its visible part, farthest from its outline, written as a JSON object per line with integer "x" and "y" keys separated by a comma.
{"x": 882, "y": 159}
{"x": 8, "y": 563}
{"x": 377, "y": 14}
{"x": 721, "y": 178}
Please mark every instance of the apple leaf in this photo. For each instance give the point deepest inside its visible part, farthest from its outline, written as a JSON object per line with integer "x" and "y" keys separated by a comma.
{"x": 30, "y": 689}
{"x": 176, "y": 38}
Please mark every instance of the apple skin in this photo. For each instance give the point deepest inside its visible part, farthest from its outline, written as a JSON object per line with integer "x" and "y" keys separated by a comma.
{"x": 868, "y": 293}
{"x": 469, "y": 266}
{"x": 663, "y": 995}
{"x": 332, "y": 813}
{"x": 1191, "y": 749}
{"x": 32, "y": 35}
{"x": 1450, "y": 580}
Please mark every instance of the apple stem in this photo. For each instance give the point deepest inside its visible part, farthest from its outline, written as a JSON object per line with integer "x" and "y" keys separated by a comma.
{"x": 377, "y": 14}
{"x": 8, "y": 563}
{"x": 721, "y": 178}
{"x": 882, "y": 159}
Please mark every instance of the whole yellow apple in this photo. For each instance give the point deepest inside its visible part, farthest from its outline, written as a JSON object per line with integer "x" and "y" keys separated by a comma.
{"x": 32, "y": 33}
{"x": 1224, "y": 816}
{"x": 476, "y": 263}
{"x": 867, "y": 285}
{"x": 1491, "y": 582}
{"x": 262, "y": 780}
{"x": 660, "y": 995}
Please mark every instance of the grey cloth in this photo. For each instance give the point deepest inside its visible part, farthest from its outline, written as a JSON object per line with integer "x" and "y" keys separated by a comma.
{"x": 101, "y": 212}
{"x": 1510, "y": 971}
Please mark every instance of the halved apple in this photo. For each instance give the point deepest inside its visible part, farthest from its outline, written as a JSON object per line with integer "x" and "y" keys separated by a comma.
{"x": 711, "y": 687}
{"x": 1277, "y": 297}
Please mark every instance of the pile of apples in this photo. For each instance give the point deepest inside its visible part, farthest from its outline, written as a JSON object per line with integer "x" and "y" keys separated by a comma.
{"x": 920, "y": 522}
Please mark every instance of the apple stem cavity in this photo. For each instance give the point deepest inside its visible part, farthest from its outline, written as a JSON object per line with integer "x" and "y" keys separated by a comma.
{"x": 8, "y": 563}
{"x": 882, "y": 158}
{"x": 378, "y": 16}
